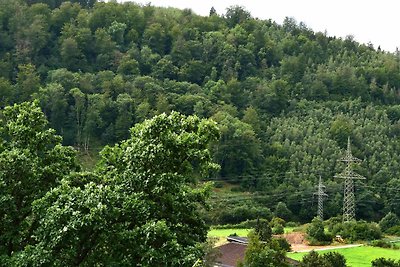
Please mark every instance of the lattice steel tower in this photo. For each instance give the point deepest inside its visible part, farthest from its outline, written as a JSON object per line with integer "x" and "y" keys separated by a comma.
{"x": 349, "y": 176}
{"x": 321, "y": 194}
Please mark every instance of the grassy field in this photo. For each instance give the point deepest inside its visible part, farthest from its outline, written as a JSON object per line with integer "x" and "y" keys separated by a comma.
{"x": 358, "y": 256}
{"x": 228, "y": 232}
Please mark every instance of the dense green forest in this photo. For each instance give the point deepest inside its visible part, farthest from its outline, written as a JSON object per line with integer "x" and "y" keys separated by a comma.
{"x": 285, "y": 97}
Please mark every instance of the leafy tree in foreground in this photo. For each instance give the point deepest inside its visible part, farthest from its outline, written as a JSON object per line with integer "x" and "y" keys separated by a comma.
{"x": 140, "y": 207}
{"x": 32, "y": 161}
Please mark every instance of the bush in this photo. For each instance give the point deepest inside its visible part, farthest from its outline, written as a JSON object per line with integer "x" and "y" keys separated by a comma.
{"x": 382, "y": 262}
{"x": 367, "y": 231}
{"x": 381, "y": 244}
{"x": 332, "y": 222}
{"x": 283, "y": 244}
{"x": 263, "y": 230}
{"x": 395, "y": 230}
{"x": 312, "y": 259}
{"x": 389, "y": 221}
{"x": 277, "y": 221}
{"x": 277, "y": 224}
{"x": 335, "y": 259}
{"x": 316, "y": 233}
{"x": 260, "y": 253}
{"x": 278, "y": 230}
{"x": 292, "y": 224}
{"x": 331, "y": 259}
{"x": 358, "y": 231}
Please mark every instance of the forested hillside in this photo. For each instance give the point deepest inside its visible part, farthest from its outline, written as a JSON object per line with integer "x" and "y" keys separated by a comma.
{"x": 285, "y": 97}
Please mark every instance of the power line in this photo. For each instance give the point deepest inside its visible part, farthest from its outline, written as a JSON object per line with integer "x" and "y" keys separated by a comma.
{"x": 321, "y": 194}
{"x": 349, "y": 176}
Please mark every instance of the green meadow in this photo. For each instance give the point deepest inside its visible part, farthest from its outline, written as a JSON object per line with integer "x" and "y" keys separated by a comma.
{"x": 357, "y": 256}
{"x": 228, "y": 232}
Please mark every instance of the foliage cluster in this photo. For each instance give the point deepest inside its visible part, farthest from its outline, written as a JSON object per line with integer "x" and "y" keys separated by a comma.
{"x": 331, "y": 259}
{"x": 357, "y": 231}
{"x": 32, "y": 162}
{"x": 316, "y": 234}
{"x": 383, "y": 244}
{"x": 277, "y": 224}
{"x": 395, "y": 230}
{"x": 263, "y": 250}
{"x": 388, "y": 222}
{"x": 140, "y": 205}
{"x": 382, "y": 262}
{"x": 260, "y": 252}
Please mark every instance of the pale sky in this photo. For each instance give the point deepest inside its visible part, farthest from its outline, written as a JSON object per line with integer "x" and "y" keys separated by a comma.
{"x": 377, "y": 22}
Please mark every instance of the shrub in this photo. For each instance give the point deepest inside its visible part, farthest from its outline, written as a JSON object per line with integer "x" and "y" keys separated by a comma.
{"x": 395, "y": 230}
{"x": 332, "y": 222}
{"x": 381, "y": 244}
{"x": 260, "y": 253}
{"x": 283, "y": 244}
{"x": 382, "y": 262}
{"x": 278, "y": 230}
{"x": 389, "y": 221}
{"x": 357, "y": 231}
{"x": 331, "y": 259}
{"x": 277, "y": 225}
{"x": 292, "y": 224}
{"x": 335, "y": 259}
{"x": 366, "y": 231}
{"x": 316, "y": 233}
{"x": 277, "y": 221}
{"x": 312, "y": 259}
{"x": 263, "y": 230}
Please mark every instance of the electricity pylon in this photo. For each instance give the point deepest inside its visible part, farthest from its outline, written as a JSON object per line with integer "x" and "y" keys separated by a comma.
{"x": 349, "y": 176}
{"x": 321, "y": 194}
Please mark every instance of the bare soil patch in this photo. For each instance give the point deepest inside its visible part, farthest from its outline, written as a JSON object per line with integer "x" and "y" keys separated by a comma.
{"x": 299, "y": 243}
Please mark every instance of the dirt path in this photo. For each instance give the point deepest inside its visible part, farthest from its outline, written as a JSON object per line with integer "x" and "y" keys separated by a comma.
{"x": 307, "y": 248}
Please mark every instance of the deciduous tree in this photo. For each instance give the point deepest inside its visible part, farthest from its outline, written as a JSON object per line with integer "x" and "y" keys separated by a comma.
{"x": 139, "y": 207}
{"x": 32, "y": 161}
